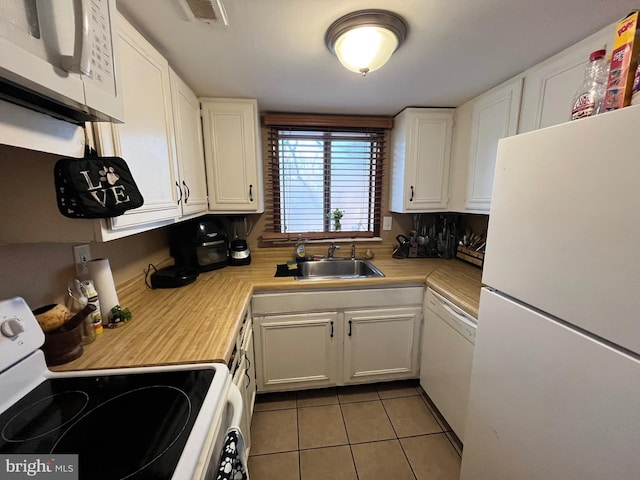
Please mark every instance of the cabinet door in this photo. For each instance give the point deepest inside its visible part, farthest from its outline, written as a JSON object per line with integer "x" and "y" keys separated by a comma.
{"x": 494, "y": 116}
{"x": 296, "y": 351}
{"x": 240, "y": 381}
{"x": 188, "y": 127}
{"x": 247, "y": 350}
{"x": 232, "y": 151}
{"x": 550, "y": 87}
{"x": 381, "y": 344}
{"x": 421, "y": 154}
{"x": 146, "y": 140}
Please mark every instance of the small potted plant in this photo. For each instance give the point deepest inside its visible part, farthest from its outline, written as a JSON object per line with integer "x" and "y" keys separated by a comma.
{"x": 336, "y": 216}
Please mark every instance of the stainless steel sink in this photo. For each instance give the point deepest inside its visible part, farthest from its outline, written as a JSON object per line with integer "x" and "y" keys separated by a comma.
{"x": 333, "y": 268}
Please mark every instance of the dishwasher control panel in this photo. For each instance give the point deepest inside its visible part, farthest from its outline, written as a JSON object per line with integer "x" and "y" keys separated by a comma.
{"x": 460, "y": 321}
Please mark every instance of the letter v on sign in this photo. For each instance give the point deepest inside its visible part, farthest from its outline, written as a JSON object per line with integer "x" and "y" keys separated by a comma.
{"x": 95, "y": 194}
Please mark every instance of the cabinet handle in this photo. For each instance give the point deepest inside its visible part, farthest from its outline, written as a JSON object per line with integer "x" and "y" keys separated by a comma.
{"x": 251, "y": 193}
{"x": 331, "y": 329}
{"x": 349, "y": 327}
{"x": 179, "y": 193}
{"x": 411, "y": 199}
{"x": 187, "y": 192}
{"x": 246, "y": 372}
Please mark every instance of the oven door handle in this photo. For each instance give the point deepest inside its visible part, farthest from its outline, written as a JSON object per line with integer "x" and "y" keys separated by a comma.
{"x": 234, "y": 399}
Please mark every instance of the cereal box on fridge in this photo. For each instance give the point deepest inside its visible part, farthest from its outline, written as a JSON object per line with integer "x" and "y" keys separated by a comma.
{"x": 624, "y": 60}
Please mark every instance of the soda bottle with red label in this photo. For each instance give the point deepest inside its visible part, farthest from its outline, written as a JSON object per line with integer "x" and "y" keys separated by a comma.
{"x": 590, "y": 95}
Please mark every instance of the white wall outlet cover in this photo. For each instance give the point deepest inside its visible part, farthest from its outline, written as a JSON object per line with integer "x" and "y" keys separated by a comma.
{"x": 386, "y": 223}
{"x": 81, "y": 257}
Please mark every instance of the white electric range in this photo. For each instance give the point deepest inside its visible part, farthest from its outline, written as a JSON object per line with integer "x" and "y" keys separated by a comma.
{"x": 165, "y": 422}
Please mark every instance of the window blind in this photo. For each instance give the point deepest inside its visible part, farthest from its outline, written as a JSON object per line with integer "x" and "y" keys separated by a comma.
{"x": 324, "y": 181}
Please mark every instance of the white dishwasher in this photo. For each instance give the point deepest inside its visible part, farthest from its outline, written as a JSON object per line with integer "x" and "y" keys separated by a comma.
{"x": 448, "y": 338}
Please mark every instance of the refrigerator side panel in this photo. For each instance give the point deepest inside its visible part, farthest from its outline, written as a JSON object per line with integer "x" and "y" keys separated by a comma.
{"x": 547, "y": 402}
{"x": 565, "y": 223}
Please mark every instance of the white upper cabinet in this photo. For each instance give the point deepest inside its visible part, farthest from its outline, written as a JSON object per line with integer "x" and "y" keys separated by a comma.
{"x": 189, "y": 147}
{"x": 546, "y": 98}
{"x": 550, "y": 86}
{"x": 494, "y": 116}
{"x": 420, "y": 155}
{"x": 232, "y": 151}
{"x": 146, "y": 139}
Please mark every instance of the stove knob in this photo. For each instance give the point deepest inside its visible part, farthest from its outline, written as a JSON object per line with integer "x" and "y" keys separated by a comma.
{"x": 11, "y": 328}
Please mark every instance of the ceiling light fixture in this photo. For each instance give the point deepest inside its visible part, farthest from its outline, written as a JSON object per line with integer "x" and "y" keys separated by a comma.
{"x": 364, "y": 40}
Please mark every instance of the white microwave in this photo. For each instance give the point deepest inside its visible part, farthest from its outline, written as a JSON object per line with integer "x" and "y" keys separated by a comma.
{"x": 58, "y": 57}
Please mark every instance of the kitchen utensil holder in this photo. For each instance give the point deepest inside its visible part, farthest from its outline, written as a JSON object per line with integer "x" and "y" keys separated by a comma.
{"x": 470, "y": 256}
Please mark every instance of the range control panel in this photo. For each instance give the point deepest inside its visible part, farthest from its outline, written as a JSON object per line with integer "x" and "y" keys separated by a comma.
{"x": 20, "y": 333}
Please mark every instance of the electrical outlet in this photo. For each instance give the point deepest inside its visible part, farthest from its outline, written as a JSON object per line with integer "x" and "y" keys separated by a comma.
{"x": 81, "y": 257}
{"x": 386, "y": 223}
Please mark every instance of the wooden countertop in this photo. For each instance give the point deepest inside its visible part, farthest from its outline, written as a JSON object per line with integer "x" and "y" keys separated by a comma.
{"x": 458, "y": 284}
{"x": 199, "y": 322}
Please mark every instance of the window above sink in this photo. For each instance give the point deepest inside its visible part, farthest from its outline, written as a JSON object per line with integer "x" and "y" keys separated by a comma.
{"x": 325, "y": 176}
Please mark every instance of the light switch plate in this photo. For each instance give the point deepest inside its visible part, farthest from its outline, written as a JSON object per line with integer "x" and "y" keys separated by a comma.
{"x": 386, "y": 223}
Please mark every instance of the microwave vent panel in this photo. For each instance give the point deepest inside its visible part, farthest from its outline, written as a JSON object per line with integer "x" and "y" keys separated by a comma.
{"x": 207, "y": 11}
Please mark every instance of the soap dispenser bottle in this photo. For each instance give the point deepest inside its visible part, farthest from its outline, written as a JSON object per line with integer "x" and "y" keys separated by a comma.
{"x": 301, "y": 252}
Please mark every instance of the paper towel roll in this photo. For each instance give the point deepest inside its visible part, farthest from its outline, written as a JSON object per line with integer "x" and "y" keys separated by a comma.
{"x": 100, "y": 273}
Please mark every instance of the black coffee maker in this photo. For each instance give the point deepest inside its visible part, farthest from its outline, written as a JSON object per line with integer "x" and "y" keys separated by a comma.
{"x": 201, "y": 243}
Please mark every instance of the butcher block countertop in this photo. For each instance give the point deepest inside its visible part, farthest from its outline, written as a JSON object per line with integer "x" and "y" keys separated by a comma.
{"x": 199, "y": 322}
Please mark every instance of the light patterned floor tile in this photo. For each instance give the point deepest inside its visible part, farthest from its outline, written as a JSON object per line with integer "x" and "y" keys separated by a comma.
{"x": 432, "y": 457}
{"x": 331, "y": 463}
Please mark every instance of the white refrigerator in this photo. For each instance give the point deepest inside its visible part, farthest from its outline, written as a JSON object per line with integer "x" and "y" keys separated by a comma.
{"x": 555, "y": 383}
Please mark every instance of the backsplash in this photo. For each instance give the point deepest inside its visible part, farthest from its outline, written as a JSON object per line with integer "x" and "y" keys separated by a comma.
{"x": 39, "y": 272}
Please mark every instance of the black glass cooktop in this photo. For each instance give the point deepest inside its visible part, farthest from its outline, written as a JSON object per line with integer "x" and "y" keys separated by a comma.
{"x": 132, "y": 426}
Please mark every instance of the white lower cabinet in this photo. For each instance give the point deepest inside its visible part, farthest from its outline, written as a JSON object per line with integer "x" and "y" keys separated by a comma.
{"x": 240, "y": 380}
{"x": 296, "y": 350}
{"x": 345, "y": 345}
{"x": 381, "y": 344}
{"x": 249, "y": 394}
{"x": 243, "y": 371}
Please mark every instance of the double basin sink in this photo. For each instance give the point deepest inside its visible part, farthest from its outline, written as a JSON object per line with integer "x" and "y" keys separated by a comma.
{"x": 337, "y": 268}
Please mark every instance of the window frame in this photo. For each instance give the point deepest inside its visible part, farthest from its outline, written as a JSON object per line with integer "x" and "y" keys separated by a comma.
{"x": 378, "y": 127}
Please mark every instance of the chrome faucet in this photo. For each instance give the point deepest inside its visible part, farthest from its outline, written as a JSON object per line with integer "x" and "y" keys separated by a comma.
{"x": 332, "y": 249}
{"x": 353, "y": 251}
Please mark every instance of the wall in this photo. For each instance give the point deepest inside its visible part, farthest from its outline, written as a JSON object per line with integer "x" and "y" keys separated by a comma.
{"x": 39, "y": 272}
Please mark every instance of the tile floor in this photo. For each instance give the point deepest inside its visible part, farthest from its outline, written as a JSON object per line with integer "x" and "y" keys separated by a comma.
{"x": 369, "y": 432}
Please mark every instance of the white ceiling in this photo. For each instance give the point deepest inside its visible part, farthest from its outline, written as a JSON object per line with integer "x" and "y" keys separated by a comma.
{"x": 274, "y": 50}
